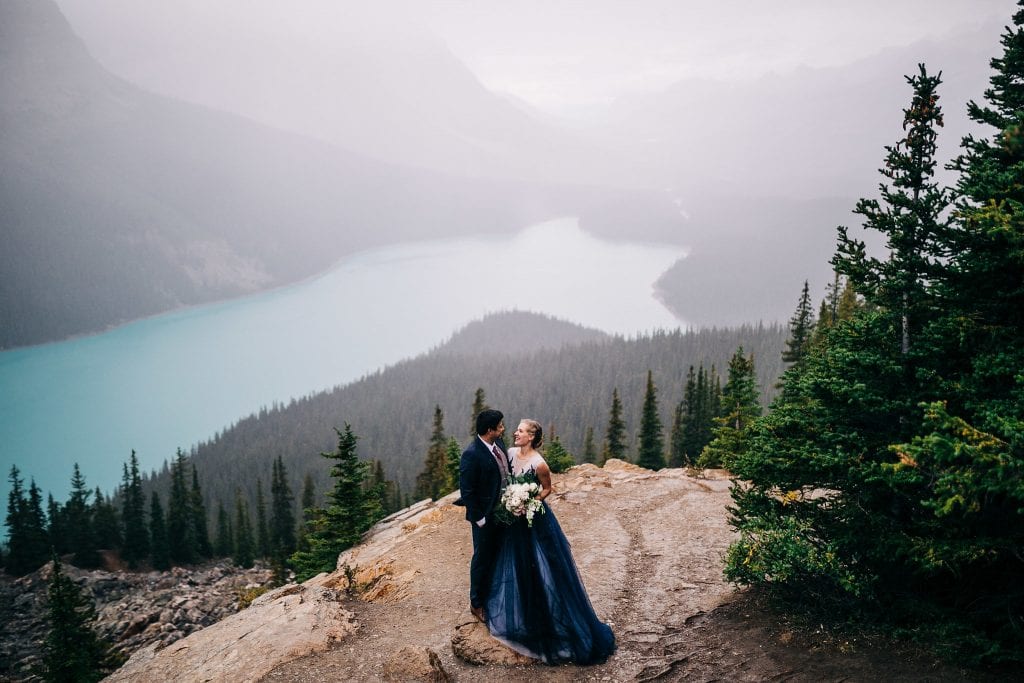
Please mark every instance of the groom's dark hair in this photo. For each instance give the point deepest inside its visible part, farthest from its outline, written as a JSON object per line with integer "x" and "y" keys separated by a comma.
{"x": 487, "y": 420}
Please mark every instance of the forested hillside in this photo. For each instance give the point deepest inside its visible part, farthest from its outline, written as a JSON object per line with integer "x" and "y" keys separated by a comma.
{"x": 567, "y": 386}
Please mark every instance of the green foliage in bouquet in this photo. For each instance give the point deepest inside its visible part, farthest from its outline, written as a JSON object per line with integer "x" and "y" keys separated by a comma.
{"x": 504, "y": 509}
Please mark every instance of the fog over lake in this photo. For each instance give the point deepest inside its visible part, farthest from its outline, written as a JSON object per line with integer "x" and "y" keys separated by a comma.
{"x": 171, "y": 381}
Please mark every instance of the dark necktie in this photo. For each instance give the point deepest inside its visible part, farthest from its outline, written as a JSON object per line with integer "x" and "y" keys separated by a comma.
{"x": 502, "y": 462}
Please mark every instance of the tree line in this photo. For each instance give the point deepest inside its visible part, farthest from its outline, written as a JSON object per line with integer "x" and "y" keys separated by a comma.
{"x": 569, "y": 389}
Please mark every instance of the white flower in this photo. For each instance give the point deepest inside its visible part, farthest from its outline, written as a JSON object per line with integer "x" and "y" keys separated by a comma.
{"x": 521, "y": 500}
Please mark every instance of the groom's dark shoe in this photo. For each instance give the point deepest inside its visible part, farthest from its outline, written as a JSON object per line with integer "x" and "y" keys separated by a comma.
{"x": 479, "y": 613}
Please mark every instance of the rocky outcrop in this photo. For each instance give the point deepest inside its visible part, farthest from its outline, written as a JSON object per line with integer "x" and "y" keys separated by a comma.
{"x": 285, "y": 624}
{"x": 135, "y": 610}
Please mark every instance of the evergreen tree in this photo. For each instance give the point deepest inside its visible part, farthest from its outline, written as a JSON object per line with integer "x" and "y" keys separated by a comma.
{"x": 589, "y": 447}
{"x": 479, "y": 406}
{"x": 920, "y": 518}
{"x": 984, "y": 289}
{"x": 197, "y": 513}
{"x": 380, "y": 487}
{"x": 27, "y": 541}
{"x": 244, "y": 543}
{"x": 159, "y": 544}
{"x": 677, "y": 446}
{"x": 80, "y": 529}
{"x": 615, "y": 435}
{"x": 557, "y": 458}
{"x": 133, "y": 515}
{"x": 652, "y": 441}
{"x": 308, "y": 497}
{"x": 106, "y": 522}
{"x": 181, "y": 530}
{"x": 911, "y": 214}
{"x": 56, "y": 529}
{"x": 740, "y": 407}
{"x": 801, "y": 330}
{"x": 282, "y": 521}
{"x": 349, "y": 513}
{"x": 310, "y": 513}
{"x": 433, "y": 481}
{"x": 72, "y": 651}
{"x": 224, "y": 543}
{"x": 453, "y": 456}
{"x": 703, "y": 405}
{"x": 262, "y": 527}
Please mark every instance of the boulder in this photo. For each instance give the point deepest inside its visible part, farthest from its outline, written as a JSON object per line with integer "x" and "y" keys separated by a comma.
{"x": 473, "y": 643}
{"x": 415, "y": 664}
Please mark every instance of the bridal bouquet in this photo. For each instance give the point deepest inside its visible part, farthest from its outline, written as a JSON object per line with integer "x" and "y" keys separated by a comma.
{"x": 520, "y": 499}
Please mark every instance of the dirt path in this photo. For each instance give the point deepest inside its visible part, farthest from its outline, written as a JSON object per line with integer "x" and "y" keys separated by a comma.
{"x": 649, "y": 547}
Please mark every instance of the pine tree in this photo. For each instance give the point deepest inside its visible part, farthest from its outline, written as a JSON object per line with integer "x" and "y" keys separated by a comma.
{"x": 56, "y": 529}
{"x": 106, "y": 522}
{"x": 985, "y": 285}
{"x": 181, "y": 532}
{"x": 911, "y": 214}
{"x": 921, "y": 516}
{"x": 81, "y": 532}
{"x": 652, "y": 441}
{"x": 703, "y": 404}
{"x": 160, "y": 545}
{"x": 133, "y": 515}
{"x": 557, "y": 457}
{"x": 282, "y": 521}
{"x": 310, "y": 513}
{"x": 615, "y": 434}
{"x": 224, "y": 542}
{"x": 801, "y": 330}
{"x": 453, "y": 456}
{"x": 27, "y": 541}
{"x": 308, "y": 497}
{"x": 479, "y": 405}
{"x": 197, "y": 513}
{"x": 434, "y": 480}
{"x": 740, "y": 407}
{"x": 262, "y": 527}
{"x": 589, "y": 447}
{"x": 244, "y": 543}
{"x": 377, "y": 486}
{"x": 677, "y": 445}
{"x": 349, "y": 513}
{"x": 72, "y": 651}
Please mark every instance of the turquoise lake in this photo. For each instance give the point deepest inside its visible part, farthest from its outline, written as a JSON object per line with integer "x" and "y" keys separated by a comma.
{"x": 174, "y": 380}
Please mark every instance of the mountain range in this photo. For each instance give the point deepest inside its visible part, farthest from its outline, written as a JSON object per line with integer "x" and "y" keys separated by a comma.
{"x": 118, "y": 203}
{"x": 269, "y": 155}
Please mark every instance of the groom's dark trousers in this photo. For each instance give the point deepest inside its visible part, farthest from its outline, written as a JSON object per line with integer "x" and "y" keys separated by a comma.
{"x": 480, "y": 486}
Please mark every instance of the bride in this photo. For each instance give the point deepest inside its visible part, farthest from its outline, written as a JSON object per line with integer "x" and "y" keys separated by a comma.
{"x": 537, "y": 604}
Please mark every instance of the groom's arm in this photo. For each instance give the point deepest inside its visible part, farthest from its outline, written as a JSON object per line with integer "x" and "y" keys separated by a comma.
{"x": 469, "y": 482}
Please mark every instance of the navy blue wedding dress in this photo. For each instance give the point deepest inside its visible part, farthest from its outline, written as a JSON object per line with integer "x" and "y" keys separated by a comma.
{"x": 537, "y": 604}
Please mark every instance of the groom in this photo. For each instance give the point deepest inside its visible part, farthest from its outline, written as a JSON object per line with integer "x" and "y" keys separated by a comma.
{"x": 483, "y": 471}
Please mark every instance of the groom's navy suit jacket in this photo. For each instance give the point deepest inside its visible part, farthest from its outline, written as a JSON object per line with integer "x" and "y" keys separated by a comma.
{"x": 479, "y": 479}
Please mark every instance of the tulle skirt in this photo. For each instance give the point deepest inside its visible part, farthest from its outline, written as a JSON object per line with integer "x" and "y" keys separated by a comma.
{"x": 537, "y": 604}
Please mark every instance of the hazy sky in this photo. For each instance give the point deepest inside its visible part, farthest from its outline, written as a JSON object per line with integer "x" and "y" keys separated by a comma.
{"x": 563, "y": 55}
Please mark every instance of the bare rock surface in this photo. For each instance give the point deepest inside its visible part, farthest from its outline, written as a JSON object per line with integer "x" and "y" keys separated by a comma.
{"x": 290, "y": 622}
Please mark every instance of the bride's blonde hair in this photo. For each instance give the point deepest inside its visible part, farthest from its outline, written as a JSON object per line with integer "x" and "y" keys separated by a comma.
{"x": 536, "y": 430}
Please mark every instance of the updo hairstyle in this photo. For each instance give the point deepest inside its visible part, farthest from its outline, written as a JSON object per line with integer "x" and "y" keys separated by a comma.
{"x": 538, "y": 432}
